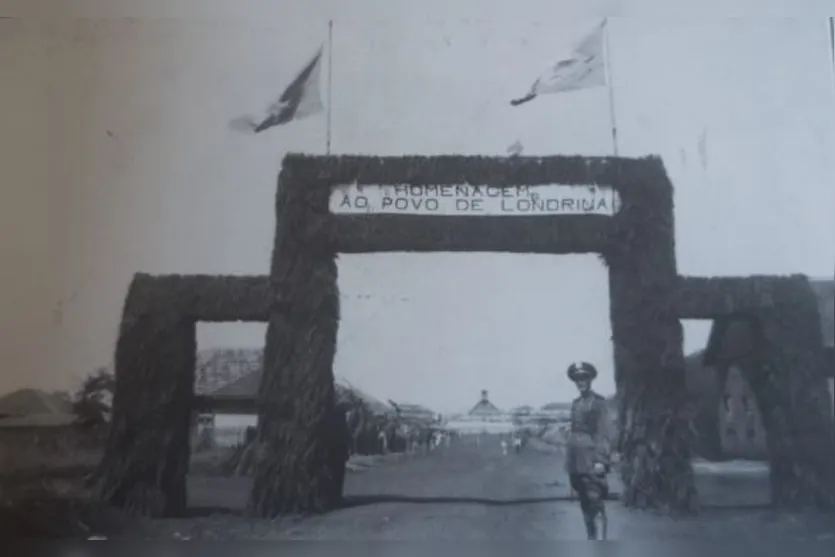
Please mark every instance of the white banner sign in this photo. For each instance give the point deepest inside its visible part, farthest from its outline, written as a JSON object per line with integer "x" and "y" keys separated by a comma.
{"x": 551, "y": 199}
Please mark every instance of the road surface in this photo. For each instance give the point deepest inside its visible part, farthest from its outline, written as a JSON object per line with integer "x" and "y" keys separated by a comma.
{"x": 469, "y": 492}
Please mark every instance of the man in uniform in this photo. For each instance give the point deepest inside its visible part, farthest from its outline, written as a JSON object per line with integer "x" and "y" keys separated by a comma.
{"x": 589, "y": 450}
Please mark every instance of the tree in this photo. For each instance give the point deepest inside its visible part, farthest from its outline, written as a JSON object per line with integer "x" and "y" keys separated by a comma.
{"x": 92, "y": 401}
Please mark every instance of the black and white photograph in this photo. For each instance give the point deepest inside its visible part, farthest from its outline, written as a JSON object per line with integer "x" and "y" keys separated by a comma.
{"x": 375, "y": 271}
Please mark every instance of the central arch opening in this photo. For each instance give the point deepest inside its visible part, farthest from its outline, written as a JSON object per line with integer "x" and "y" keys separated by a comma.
{"x": 474, "y": 345}
{"x": 506, "y": 323}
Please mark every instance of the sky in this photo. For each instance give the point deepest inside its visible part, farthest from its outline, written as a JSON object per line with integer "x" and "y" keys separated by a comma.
{"x": 119, "y": 159}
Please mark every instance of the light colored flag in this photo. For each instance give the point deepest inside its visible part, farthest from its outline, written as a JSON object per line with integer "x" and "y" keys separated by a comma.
{"x": 584, "y": 69}
{"x": 302, "y": 98}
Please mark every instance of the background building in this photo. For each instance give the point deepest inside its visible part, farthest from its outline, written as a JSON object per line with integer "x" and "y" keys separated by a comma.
{"x": 728, "y": 419}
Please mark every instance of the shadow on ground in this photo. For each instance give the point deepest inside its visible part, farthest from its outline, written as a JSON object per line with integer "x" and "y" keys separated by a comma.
{"x": 355, "y": 501}
{"x": 364, "y": 500}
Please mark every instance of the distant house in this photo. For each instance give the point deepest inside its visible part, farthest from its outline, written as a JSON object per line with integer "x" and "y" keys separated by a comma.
{"x": 556, "y": 407}
{"x": 741, "y": 430}
{"x": 414, "y": 412}
{"x": 484, "y": 408}
{"x": 561, "y": 411}
{"x": 25, "y": 402}
{"x": 483, "y": 417}
{"x": 556, "y": 410}
{"x": 238, "y": 396}
{"x": 231, "y": 408}
{"x": 219, "y": 367}
{"x": 524, "y": 410}
{"x": 31, "y": 417}
{"x": 728, "y": 420}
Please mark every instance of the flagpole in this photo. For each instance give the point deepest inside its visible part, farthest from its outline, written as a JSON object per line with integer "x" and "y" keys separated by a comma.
{"x": 609, "y": 85}
{"x": 612, "y": 119}
{"x": 832, "y": 58}
{"x": 330, "y": 82}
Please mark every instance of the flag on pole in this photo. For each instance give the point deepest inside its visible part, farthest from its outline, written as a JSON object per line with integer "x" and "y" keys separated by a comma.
{"x": 584, "y": 69}
{"x": 515, "y": 149}
{"x": 300, "y": 99}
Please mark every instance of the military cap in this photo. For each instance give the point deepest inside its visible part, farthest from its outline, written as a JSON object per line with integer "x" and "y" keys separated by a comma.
{"x": 578, "y": 371}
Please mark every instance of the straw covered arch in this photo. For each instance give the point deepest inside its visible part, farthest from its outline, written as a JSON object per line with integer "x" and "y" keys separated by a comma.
{"x": 636, "y": 242}
{"x": 302, "y": 438}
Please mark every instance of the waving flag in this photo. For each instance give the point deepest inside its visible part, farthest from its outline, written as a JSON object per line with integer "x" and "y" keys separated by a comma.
{"x": 300, "y": 99}
{"x": 515, "y": 149}
{"x": 584, "y": 69}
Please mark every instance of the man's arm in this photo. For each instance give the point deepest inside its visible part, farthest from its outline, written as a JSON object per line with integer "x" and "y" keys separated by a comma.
{"x": 605, "y": 435}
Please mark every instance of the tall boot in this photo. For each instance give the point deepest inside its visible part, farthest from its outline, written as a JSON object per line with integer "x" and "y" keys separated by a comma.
{"x": 591, "y": 526}
{"x": 601, "y": 526}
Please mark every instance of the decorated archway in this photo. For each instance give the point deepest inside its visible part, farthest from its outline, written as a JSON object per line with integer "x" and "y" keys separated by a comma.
{"x": 302, "y": 442}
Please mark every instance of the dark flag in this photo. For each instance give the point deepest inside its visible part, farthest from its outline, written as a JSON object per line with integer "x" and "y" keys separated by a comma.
{"x": 515, "y": 149}
{"x": 300, "y": 99}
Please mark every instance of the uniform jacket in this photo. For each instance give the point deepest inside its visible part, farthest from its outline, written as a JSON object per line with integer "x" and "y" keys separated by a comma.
{"x": 591, "y": 434}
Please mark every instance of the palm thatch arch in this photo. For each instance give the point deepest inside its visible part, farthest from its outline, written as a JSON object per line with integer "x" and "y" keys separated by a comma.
{"x": 303, "y": 441}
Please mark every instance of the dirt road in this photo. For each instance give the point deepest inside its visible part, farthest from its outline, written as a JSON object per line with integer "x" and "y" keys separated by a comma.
{"x": 460, "y": 492}
{"x": 469, "y": 492}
